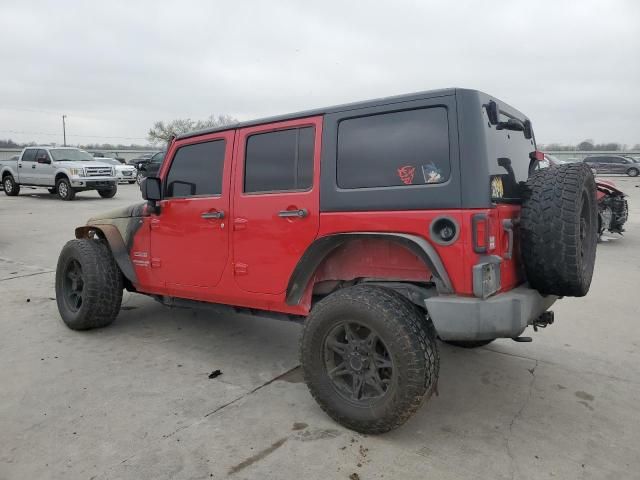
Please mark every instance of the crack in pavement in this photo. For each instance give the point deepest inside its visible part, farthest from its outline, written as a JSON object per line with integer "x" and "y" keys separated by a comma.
{"x": 26, "y": 275}
{"x": 513, "y": 464}
{"x": 199, "y": 421}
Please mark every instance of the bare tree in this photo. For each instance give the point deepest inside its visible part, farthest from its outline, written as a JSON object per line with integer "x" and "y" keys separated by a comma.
{"x": 162, "y": 132}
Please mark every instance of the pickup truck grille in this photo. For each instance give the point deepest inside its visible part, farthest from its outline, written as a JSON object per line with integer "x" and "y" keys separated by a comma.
{"x": 98, "y": 171}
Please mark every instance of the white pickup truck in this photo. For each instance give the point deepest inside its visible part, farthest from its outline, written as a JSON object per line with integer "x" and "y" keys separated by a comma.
{"x": 63, "y": 170}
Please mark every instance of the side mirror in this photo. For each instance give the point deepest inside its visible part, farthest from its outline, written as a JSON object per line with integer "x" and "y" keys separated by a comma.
{"x": 151, "y": 189}
{"x": 43, "y": 160}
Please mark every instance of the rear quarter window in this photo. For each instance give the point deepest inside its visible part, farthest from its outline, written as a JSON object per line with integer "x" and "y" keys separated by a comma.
{"x": 394, "y": 149}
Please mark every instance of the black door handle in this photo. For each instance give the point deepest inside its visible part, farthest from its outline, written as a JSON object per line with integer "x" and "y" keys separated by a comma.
{"x": 212, "y": 215}
{"x": 19, "y": 165}
{"x": 33, "y": 166}
{"x": 300, "y": 213}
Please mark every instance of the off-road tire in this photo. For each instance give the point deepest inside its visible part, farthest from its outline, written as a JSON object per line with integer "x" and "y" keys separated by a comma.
{"x": 64, "y": 189}
{"x": 469, "y": 343}
{"x": 410, "y": 340}
{"x": 52, "y": 190}
{"x": 633, "y": 172}
{"x": 559, "y": 228}
{"x": 108, "y": 193}
{"x": 11, "y": 188}
{"x": 102, "y": 285}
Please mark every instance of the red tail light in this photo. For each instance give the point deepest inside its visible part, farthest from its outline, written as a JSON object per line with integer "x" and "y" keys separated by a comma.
{"x": 537, "y": 155}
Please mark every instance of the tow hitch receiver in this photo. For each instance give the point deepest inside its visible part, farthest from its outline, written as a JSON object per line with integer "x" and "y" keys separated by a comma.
{"x": 544, "y": 320}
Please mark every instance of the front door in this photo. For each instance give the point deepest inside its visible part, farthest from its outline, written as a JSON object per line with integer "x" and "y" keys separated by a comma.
{"x": 276, "y": 201}
{"x": 44, "y": 171}
{"x": 190, "y": 236}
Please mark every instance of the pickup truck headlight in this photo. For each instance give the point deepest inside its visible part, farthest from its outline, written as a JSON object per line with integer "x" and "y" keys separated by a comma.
{"x": 76, "y": 172}
{"x": 113, "y": 171}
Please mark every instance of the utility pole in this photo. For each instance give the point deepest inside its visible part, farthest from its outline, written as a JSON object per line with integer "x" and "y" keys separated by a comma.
{"x": 64, "y": 130}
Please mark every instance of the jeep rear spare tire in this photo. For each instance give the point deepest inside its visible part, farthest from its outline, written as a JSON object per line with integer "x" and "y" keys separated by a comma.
{"x": 369, "y": 357}
{"x": 559, "y": 226}
{"x": 88, "y": 285}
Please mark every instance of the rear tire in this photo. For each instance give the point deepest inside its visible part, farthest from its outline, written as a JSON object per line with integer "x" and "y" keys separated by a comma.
{"x": 633, "y": 172}
{"x": 108, "y": 193}
{"x": 559, "y": 226}
{"x": 64, "y": 189}
{"x": 88, "y": 285}
{"x": 383, "y": 354}
{"x": 11, "y": 188}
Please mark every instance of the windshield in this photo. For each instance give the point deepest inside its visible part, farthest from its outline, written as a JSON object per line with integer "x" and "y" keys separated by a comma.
{"x": 70, "y": 155}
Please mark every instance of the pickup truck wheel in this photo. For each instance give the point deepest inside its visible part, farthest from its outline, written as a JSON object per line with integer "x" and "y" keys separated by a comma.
{"x": 369, "y": 358}
{"x": 633, "y": 172}
{"x": 108, "y": 193}
{"x": 64, "y": 189}
{"x": 559, "y": 229}
{"x": 88, "y": 285}
{"x": 469, "y": 343}
{"x": 11, "y": 188}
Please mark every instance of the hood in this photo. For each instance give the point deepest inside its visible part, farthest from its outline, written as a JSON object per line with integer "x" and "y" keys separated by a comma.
{"x": 135, "y": 210}
{"x": 79, "y": 164}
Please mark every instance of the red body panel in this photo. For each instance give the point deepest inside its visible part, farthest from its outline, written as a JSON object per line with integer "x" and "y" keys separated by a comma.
{"x": 247, "y": 258}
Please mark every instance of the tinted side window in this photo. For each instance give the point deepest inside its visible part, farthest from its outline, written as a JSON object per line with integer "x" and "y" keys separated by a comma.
{"x": 394, "y": 149}
{"x": 279, "y": 161}
{"x": 42, "y": 154}
{"x": 197, "y": 170}
{"x": 29, "y": 155}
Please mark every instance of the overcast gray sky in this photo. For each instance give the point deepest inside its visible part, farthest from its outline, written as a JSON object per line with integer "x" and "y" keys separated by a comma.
{"x": 115, "y": 67}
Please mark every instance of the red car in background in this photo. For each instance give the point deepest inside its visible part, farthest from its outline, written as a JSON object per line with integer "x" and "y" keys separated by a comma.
{"x": 613, "y": 209}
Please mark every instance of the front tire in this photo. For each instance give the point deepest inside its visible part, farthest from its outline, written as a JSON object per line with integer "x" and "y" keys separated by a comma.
{"x": 108, "y": 193}
{"x": 11, "y": 188}
{"x": 64, "y": 190}
{"x": 88, "y": 285}
{"x": 369, "y": 358}
{"x": 633, "y": 172}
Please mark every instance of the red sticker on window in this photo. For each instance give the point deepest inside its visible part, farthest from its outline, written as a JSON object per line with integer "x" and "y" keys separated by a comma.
{"x": 406, "y": 174}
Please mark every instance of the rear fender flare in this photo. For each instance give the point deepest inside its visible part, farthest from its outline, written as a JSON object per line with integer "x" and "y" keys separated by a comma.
{"x": 323, "y": 246}
{"x": 119, "y": 250}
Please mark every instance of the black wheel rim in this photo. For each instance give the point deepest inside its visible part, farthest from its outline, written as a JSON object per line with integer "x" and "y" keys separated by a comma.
{"x": 358, "y": 363}
{"x": 73, "y": 285}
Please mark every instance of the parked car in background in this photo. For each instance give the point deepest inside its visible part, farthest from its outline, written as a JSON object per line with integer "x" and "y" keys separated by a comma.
{"x": 604, "y": 164}
{"x": 143, "y": 157}
{"x": 613, "y": 209}
{"x": 150, "y": 167}
{"x": 124, "y": 172}
{"x": 114, "y": 155}
{"x": 63, "y": 170}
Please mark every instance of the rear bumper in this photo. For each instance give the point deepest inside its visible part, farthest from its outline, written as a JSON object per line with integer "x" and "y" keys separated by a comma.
{"x": 505, "y": 315}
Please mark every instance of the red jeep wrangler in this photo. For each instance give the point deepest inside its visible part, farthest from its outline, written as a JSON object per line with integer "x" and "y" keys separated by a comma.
{"x": 381, "y": 225}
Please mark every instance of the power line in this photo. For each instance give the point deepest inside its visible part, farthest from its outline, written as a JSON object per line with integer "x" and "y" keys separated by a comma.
{"x": 17, "y": 132}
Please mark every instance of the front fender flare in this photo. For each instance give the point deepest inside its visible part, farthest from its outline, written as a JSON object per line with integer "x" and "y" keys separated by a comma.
{"x": 323, "y": 246}
{"x": 116, "y": 243}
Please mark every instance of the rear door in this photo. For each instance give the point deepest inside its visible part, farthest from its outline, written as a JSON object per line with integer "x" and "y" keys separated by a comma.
{"x": 619, "y": 164}
{"x": 26, "y": 166}
{"x": 276, "y": 201}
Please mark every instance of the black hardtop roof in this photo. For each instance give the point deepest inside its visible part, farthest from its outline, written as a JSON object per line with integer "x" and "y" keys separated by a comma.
{"x": 334, "y": 109}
